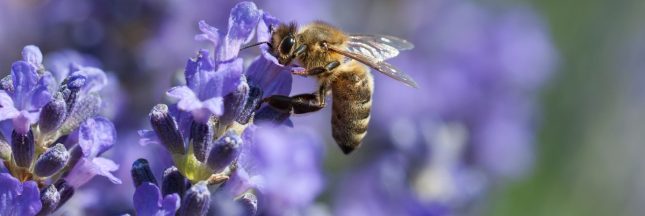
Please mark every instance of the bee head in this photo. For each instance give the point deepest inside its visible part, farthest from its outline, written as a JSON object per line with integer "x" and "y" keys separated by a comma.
{"x": 284, "y": 42}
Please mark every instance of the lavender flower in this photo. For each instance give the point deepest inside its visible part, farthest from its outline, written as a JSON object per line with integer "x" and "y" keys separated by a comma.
{"x": 214, "y": 133}
{"x": 21, "y": 100}
{"x": 209, "y": 80}
{"x": 55, "y": 133}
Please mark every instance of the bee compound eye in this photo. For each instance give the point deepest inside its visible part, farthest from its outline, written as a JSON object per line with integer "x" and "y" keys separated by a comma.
{"x": 287, "y": 44}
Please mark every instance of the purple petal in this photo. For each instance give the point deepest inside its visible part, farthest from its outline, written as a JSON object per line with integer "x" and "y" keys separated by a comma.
{"x": 86, "y": 169}
{"x": 106, "y": 167}
{"x": 148, "y": 137}
{"x": 201, "y": 115}
{"x": 29, "y": 200}
{"x": 96, "y": 135}
{"x": 170, "y": 204}
{"x": 241, "y": 23}
{"x": 7, "y": 109}
{"x": 225, "y": 80}
{"x": 41, "y": 95}
{"x": 23, "y": 120}
{"x": 264, "y": 33}
{"x": 9, "y": 187}
{"x": 188, "y": 101}
{"x": 25, "y": 79}
{"x": 197, "y": 71}
{"x": 209, "y": 33}
{"x": 215, "y": 105}
{"x": 17, "y": 198}
{"x": 272, "y": 78}
{"x": 146, "y": 199}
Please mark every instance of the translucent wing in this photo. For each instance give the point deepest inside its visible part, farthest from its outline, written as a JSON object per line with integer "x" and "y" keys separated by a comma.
{"x": 378, "y": 47}
{"x": 378, "y": 65}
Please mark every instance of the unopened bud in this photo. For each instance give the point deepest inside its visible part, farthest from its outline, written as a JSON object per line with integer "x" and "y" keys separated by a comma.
{"x": 234, "y": 103}
{"x": 22, "y": 147}
{"x": 6, "y": 84}
{"x": 167, "y": 129}
{"x": 5, "y": 149}
{"x": 196, "y": 201}
{"x": 53, "y": 114}
{"x": 201, "y": 137}
{"x": 141, "y": 173}
{"x": 65, "y": 190}
{"x": 52, "y": 161}
{"x": 252, "y": 102}
{"x": 224, "y": 151}
{"x": 248, "y": 203}
{"x": 49, "y": 197}
{"x": 74, "y": 84}
{"x": 174, "y": 182}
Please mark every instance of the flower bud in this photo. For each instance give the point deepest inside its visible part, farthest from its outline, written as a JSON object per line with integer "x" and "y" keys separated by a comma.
{"x": 252, "y": 102}
{"x": 65, "y": 190}
{"x": 174, "y": 182}
{"x": 52, "y": 161}
{"x": 248, "y": 203}
{"x": 22, "y": 147}
{"x": 224, "y": 151}
{"x": 234, "y": 103}
{"x": 201, "y": 136}
{"x": 75, "y": 154}
{"x": 196, "y": 201}
{"x": 49, "y": 197}
{"x": 141, "y": 173}
{"x": 5, "y": 149}
{"x": 53, "y": 114}
{"x": 167, "y": 129}
{"x": 74, "y": 84}
{"x": 6, "y": 84}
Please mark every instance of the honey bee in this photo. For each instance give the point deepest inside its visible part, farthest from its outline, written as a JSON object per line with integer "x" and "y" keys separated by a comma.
{"x": 339, "y": 62}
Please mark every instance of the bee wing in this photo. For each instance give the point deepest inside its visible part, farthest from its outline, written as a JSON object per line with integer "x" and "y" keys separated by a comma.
{"x": 378, "y": 65}
{"x": 381, "y": 47}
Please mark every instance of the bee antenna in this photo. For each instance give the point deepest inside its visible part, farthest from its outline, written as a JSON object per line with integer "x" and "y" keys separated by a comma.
{"x": 257, "y": 44}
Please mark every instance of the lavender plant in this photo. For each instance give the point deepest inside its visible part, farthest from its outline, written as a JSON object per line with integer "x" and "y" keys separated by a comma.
{"x": 229, "y": 151}
{"x": 51, "y": 136}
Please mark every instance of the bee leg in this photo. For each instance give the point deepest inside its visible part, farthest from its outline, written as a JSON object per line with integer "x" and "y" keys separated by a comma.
{"x": 298, "y": 104}
{"x": 318, "y": 70}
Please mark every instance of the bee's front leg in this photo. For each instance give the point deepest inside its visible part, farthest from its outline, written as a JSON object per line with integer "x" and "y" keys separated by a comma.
{"x": 318, "y": 70}
{"x": 298, "y": 104}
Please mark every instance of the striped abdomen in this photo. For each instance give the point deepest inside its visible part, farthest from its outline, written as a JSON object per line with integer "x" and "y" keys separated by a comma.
{"x": 352, "y": 99}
